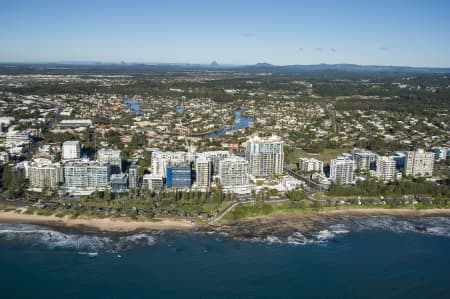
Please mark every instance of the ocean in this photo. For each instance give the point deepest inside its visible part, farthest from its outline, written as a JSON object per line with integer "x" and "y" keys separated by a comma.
{"x": 355, "y": 257}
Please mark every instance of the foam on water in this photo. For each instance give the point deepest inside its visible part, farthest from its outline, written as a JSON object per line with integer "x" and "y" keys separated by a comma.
{"x": 437, "y": 226}
{"x": 425, "y": 225}
{"x": 35, "y": 235}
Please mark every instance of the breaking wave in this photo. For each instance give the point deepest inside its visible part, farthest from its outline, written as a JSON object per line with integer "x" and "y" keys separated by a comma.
{"x": 35, "y": 235}
{"x": 435, "y": 226}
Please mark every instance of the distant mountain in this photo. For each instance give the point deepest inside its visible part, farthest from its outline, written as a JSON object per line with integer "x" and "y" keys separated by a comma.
{"x": 263, "y": 64}
{"x": 313, "y": 70}
{"x": 355, "y": 68}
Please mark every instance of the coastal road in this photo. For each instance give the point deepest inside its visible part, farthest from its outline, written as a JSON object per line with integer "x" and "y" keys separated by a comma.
{"x": 311, "y": 187}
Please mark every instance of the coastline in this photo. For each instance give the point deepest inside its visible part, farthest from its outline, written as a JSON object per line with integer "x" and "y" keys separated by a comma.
{"x": 100, "y": 224}
{"x": 287, "y": 223}
{"x": 245, "y": 228}
{"x": 387, "y": 212}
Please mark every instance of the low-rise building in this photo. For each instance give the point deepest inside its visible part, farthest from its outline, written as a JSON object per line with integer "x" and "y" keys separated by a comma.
{"x": 151, "y": 182}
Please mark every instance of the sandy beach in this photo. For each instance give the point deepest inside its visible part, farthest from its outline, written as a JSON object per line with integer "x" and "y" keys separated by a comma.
{"x": 256, "y": 226}
{"x": 106, "y": 224}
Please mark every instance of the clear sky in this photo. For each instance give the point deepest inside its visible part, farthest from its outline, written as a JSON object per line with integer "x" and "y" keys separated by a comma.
{"x": 382, "y": 32}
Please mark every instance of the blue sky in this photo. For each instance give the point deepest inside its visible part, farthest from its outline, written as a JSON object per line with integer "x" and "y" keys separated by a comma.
{"x": 395, "y": 32}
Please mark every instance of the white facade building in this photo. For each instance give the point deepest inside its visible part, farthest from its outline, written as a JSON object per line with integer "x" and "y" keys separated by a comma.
{"x": 215, "y": 157}
{"x": 44, "y": 173}
{"x": 364, "y": 159}
{"x": 86, "y": 175}
{"x": 17, "y": 138}
{"x": 386, "y": 169}
{"x": 76, "y": 123}
{"x": 160, "y": 161}
{"x": 71, "y": 150}
{"x": 203, "y": 171}
{"x": 233, "y": 173}
{"x": 265, "y": 155}
{"x": 151, "y": 182}
{"x": 419, "y": 163}
{"x": 441, "y": 153}
{"x": 4, "y": 157}
{"x": 342, "y": 170}
{"x": 310, "y": 165}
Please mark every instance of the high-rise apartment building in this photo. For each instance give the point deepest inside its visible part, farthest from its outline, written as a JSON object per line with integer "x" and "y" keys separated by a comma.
{"x": 86, "y": 175}
{"x": 386, "y": 169}
{"x": 160, "y": 161}
{"x": 71, "y": 150}
{"x": 203, "y": 172}
{"x": 419, "y": 163}
{"x": 265, "y": 155}
{"x": 179, "y": 176}
{"x": 133, "y": 176}
{"x": 233, "y": 172}
{"x": 364, "y": 159}
{"x": 43, "y": 173}
{"x": 342, "y": 170}
{"x": 111, "y": 156}
{"x": 215, "y": 157}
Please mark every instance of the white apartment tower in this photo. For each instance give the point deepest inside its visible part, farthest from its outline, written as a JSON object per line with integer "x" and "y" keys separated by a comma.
{"x": 341, "y": 170}
{"x": 44, "y": 173}
{"x": 160, "y": 161}
{"x": 386, "y": 170}
{"x": 310, "y": 165}
{"x": 86, "y": 175}
{"x": 419, "y": 163}
{"x": 215, "y": 157}
{"x": 265, "y": 156}
{"x": 233, "y": 172}
{"x": 71, "y": 150}
{"x": 203, "y": 170}
{"x": 364, "y": 159}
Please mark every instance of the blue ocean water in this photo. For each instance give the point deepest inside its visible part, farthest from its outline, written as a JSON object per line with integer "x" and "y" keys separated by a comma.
{"x": 376, "y": 257}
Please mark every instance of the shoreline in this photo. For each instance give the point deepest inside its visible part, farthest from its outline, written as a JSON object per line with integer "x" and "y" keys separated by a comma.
{"x": 112, "y": 225}
{"x": 286, "y": 224}
{"x": 244, "y": 228}
{"x": 388, "y": 212}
